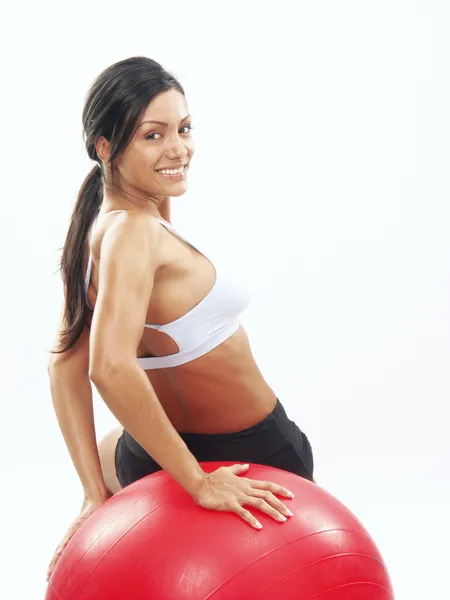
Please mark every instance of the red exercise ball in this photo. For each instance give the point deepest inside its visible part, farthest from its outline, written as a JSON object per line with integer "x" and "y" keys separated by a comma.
{"x": 152, "y": 542}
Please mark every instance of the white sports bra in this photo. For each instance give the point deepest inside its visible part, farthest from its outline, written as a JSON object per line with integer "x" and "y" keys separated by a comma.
{"x": 208, "y": 324}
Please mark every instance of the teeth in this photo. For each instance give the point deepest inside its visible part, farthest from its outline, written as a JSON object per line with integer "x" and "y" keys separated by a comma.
{"x": 171, "y": 171}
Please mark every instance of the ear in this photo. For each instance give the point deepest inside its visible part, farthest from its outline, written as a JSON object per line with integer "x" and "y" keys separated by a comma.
{"x": 103, "y": 148}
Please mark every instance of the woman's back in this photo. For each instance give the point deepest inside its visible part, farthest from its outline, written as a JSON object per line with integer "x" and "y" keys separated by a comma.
{"x": 194, "y": 305}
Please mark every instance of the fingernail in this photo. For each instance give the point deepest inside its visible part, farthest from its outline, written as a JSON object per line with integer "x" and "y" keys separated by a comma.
{"x": 289, "y": 513}
{"x": 291, "y": 495}
{"x": 258, "y": 525}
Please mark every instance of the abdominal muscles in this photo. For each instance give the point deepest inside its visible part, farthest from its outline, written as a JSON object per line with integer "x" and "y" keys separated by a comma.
{"x": 220, "y": 392}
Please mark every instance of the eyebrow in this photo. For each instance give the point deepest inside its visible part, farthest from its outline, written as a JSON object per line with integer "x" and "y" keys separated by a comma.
{"x": 162, "y": 122}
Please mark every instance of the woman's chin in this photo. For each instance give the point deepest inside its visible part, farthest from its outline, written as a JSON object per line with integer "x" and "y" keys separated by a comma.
{"x": 177, "y": 190}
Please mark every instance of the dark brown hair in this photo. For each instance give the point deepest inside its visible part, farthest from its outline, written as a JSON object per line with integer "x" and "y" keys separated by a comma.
{"x": 113, "y": 108}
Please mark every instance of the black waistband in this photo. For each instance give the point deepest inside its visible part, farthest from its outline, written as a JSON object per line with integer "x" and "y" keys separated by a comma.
{"x": 259, "y": 441}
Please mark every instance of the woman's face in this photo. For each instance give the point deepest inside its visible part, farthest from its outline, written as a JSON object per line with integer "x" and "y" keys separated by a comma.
{"x": 167, "y": 144}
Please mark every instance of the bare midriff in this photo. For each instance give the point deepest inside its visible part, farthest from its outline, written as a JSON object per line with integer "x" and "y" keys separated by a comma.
{"x": 220, "y": 392}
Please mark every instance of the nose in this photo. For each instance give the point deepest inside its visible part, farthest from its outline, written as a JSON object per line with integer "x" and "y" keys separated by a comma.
{"x": 177, "y": 149}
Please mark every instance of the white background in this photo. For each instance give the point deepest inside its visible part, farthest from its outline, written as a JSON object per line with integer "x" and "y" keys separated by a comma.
{"x": 322, "y": 135}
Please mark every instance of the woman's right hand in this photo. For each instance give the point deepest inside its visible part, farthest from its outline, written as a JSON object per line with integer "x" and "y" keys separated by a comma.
{"x": 224, "y": 490}
{"x": 86, "y": 510}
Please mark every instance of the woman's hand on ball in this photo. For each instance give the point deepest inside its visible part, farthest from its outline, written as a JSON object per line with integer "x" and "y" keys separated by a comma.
{"x": 224, "y": 490}
{"x": 87, "y": 509}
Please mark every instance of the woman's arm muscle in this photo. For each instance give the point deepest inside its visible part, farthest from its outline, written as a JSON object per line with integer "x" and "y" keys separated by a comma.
{"x": 128, "y": 260}
{"x": 71, "y": 393}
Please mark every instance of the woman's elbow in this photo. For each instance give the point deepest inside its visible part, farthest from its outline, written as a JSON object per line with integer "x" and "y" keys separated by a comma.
{"x": 106, "y": 368}
{"x": 67, "y": 363}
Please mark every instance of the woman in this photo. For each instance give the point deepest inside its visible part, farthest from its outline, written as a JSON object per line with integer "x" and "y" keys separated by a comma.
{"x": 153, "y": 323}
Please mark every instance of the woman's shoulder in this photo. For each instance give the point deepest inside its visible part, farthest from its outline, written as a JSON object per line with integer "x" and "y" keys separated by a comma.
{"x": 123, "y": 223}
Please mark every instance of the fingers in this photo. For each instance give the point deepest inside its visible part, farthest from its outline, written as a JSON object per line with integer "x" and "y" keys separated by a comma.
{"x": 271, "y": 487}
{"x": 58, "y": 552}
{"x": 265, "y": 507}
{"x": 229, "y": 492}
{"x": 280, "y": 508}
{"x": 261, "y": 485}
{"x": 55, "y": 559}
{"x": 52, "y": 565}
{"x": 69, "y": 534}
{"x": 247, "y": 516}
{"x": 238, "y": 469}
{"x": 261, "y": 495}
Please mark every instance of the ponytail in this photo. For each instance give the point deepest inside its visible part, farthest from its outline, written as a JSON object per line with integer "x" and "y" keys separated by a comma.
{"x": 86, "y": 209}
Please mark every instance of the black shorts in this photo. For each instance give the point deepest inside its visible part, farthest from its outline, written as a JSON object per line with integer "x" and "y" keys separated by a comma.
{"x": 276, "y": 441}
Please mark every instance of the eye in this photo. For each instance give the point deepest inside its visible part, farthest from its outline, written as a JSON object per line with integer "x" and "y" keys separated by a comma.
{"x": 148, "y": 136}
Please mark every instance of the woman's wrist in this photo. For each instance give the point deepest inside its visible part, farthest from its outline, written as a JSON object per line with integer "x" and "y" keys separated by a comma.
{"x": 96, "y": 495}
{"x": 194, "y": 482}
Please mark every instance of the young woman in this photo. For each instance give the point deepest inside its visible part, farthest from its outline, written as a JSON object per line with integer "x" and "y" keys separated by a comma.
{"x": 152, "y": 321}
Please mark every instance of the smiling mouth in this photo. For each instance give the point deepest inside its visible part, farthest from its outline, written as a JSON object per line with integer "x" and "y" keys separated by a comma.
{"x": 179, "y": 170}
